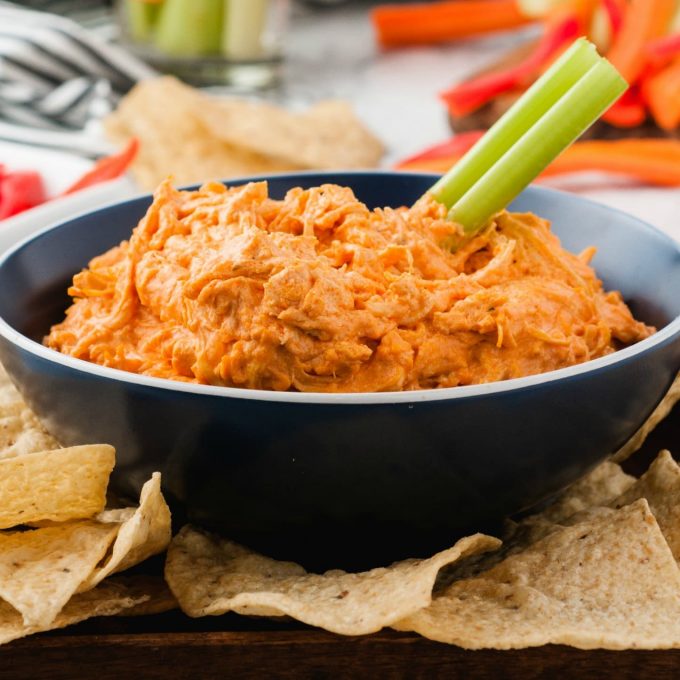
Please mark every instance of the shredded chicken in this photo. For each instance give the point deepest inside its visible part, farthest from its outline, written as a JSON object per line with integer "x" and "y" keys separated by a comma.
{"x": 318, "y": 293}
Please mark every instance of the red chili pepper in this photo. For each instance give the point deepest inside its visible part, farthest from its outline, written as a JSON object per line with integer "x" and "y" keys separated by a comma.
{"x": 106, "y": 168}
{"x": 20, "y": 191}
{"x": 469, "y": 96}
{"x": 454, "y": 147}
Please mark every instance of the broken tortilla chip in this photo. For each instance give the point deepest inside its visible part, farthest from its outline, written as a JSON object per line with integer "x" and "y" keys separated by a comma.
{"x": 40, "y": 569}
{"x": 582, "y": 500}
{"x": 609, "y": 583}
{"x": 108, "y": 599}
{"x": 328, "y": 135}
{"x": 664, "y": 407}
{"x": 211, "y": 576}
{"x": 20, "y": 430}
{"x": 143, "y": 533}
{"x": 56, "y": 485}
{"x": 161, "y": 114}
{"x": 196, "y": 137}
{"x": 598, "y": 488}
{"x": 660, "y": 486}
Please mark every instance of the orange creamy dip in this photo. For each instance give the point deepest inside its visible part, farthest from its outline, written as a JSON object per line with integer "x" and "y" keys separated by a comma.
{"x": 318, "y": 293}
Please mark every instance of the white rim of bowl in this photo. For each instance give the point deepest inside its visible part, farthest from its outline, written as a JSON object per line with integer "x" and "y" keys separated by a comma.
{"x": 666, "y": 334}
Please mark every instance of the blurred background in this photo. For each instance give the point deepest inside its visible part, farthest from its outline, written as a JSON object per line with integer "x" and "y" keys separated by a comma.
{"x": 272, "y": 84}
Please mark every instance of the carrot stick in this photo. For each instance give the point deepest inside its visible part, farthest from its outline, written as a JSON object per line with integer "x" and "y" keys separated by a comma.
{"x": 651, "y": 161}
{"x": 435, "y": 22}
{"x": 662, "y": 94}
{"x": 643, "y": 20}
{"x": 584, "y": 10}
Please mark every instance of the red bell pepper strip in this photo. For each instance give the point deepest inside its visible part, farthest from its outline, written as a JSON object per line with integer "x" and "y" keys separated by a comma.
{"x": 614, "y": 10}
{"x": 470, "y": 95}
{"x": 436, "y": 22}
{"x": 107, "y": 168}
{"x": 454, "y": 147}
{"x": 629, "y": 111}
{"x": 20, "y": 191}
{"x": 663, "y": 49}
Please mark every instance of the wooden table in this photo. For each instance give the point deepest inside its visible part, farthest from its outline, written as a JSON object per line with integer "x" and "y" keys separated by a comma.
{"x": 171, "y": 646}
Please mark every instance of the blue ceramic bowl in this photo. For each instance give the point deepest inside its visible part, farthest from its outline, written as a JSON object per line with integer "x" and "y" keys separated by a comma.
{"x": 349, "y": 479}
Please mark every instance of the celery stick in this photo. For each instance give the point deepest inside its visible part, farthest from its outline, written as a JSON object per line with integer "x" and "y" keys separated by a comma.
{"x": 141, "y": 17}
{"x": 190, "y": 27}
{"x": 243, "y": 29}
{"x": 538, "y": 99}
{"x": 555, "y": 131}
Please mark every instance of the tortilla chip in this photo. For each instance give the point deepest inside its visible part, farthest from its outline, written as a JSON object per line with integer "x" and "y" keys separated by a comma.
{"x": 600, "y": 487}
{"x": 108, "y": 599}
{"x": 162, "y": 114}
{"x": 20, "y": 430}
{"x": 582, "y": 501}
{"x": 611, "y": 583}
{"x": 326, "y": 136}
{"x": 197, "y": 138}
{"x": 660, "y": 485}
{"x": 211, "y": 576}
{"x": 590, "y": 498}
{"x": 41, "y": 569}
{"x": 54, "y": 485}
{"x": 115, "y": 515}
{"x": 145, "y": 533}
{"x": 660, "y": 412}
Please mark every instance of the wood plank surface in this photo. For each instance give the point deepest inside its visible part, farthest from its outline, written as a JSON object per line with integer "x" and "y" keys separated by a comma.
{"x": 308, "y": 653}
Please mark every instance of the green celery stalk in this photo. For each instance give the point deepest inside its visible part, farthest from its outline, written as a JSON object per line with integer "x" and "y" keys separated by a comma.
{"x": 190, "y": 27}
{"x": 242, "y": 33}
{"x": 528, "y": 109}
{"x": 141, "y": 17}
{"x": 583, "y": 104}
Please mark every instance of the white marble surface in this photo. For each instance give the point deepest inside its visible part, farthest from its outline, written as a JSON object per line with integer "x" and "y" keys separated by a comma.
{"x": 333, "y": 53}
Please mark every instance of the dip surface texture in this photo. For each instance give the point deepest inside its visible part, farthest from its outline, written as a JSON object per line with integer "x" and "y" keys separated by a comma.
{"x": 317, "y": 293}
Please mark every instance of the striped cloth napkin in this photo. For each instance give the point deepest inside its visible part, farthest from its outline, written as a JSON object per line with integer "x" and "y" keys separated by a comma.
{"x": 57, "y": 80}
